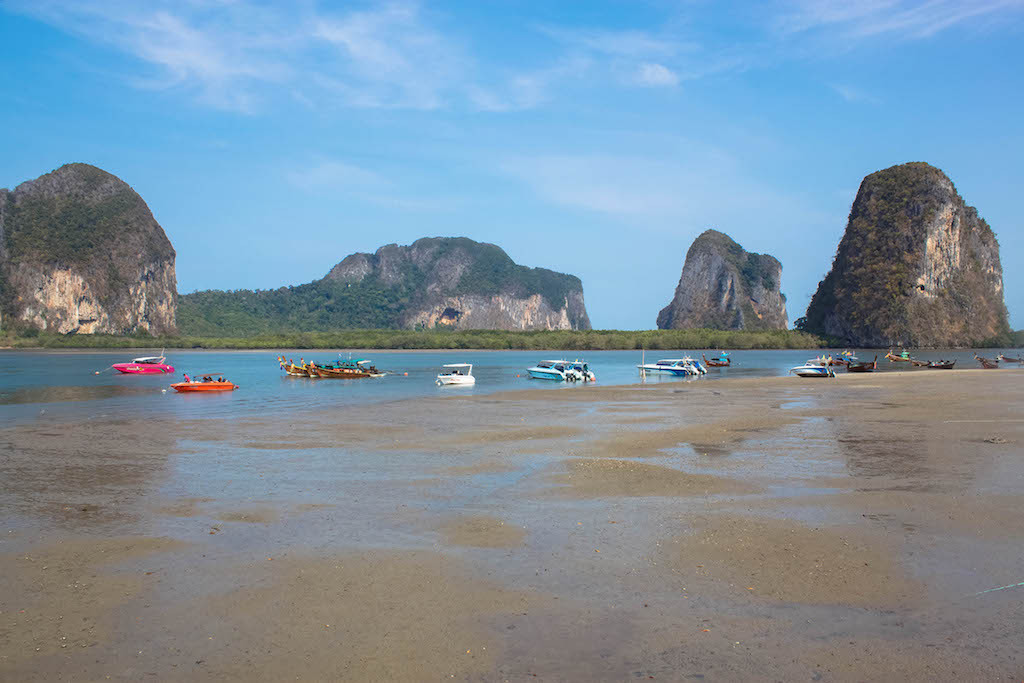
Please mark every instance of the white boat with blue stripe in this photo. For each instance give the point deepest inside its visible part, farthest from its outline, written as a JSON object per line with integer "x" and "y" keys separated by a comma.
{"x": 562, "y": 371}
{"x": 675, "y": 366}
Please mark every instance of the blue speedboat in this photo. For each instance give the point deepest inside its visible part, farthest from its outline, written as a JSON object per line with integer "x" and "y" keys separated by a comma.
{"x": 562, "y": 371}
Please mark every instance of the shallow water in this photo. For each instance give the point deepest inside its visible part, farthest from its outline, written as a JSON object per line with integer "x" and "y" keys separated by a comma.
{"x": 63, "y": 384}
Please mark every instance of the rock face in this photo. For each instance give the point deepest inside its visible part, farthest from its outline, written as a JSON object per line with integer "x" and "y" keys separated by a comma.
{"x": 80, "y": 252}
{"x": 724, "y": 287}
{"x": 916, "y": 267}
{"x": 458, "y": 283}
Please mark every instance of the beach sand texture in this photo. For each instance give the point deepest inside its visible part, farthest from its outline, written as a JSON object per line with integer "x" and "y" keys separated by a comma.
{"x": 761, "y": 529}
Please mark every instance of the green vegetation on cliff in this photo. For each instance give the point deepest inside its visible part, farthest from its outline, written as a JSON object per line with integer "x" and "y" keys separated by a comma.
{"x": 396, "y": 284}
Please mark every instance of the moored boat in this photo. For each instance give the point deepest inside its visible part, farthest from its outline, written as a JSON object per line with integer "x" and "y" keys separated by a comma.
{"x": 145, "y": 365}
{"x": 866, "y": 366}
{"x": 206, "y": 382}
{"x": 942, "y": 364}
{"x": 459, "y": 374}
{"x": 1010, "y": 359}
{"x": 562, "y": 371}
{"x": 815, "y": 367}
{"x": 680, "y": 367}
{"x": 987, "y": 363}
{"x": 904, "y": 356}
{"x": 722, "y": 360}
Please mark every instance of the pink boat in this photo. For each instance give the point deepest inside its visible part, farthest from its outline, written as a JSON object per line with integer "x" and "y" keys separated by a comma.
{"x": 147, "y": 365}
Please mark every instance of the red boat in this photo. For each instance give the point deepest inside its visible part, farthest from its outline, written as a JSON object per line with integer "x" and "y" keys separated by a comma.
{"x": 146, "y": 365}
{"x": 206, "y": 382}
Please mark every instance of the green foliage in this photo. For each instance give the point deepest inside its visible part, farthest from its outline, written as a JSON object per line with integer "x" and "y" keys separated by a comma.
{"x": 326, "y": 305}
{"x": 69, "y": 231}
{"x": 568, "y": 340}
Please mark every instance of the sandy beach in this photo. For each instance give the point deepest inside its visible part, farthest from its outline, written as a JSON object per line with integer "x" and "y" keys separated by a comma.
{"x": 863, "y": 528}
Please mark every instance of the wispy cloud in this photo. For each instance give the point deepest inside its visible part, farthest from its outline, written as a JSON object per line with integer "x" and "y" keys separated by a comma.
{"x": 334, "y": 176}
{"x": 852, "y": 94}
{"x": 351, "y": 182}
{"x": 904, "y": 19}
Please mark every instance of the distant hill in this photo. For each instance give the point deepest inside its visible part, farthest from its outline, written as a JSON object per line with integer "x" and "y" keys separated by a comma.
{"x": 725, "y": 287}
{"x": 80, "y": 252}
{"x": 449, "y": 282}
{"x": 916, "y": 266}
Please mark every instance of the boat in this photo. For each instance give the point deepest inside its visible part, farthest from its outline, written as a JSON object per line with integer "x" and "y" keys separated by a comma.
{"x": 816, "y": 367}
{"x": 581, "y": 371}
{"x": 680, "y": 367}
{"x": 460, "y": 374}
{"x": 291, "y": 368}
{"x": 987, "y": 363}
{"x": 206, "y": 382}
{"x": 942, "y": 364}
{"x": 844, "y": 358}
{"x": 1010, "y": 359}
{"x": 720, "y": 361}
{"x": 145, "y": 365}
{"x": 341, "y": 369}
{"x": 863, "y": 366}
{"x": 561, "y": 371}
{"x": 904, "y": 356}
{"x": 919, "y": 363}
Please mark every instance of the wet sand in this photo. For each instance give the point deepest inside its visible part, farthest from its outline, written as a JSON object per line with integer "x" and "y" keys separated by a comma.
{"x": 763, "y": 529}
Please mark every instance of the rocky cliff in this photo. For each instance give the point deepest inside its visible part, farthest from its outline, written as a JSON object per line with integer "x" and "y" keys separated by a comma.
{"x": 916, "y": 266}
{"x": 722, "y": 286}
{"x": 441, "y": 282}
{"x": 80, "y": 252}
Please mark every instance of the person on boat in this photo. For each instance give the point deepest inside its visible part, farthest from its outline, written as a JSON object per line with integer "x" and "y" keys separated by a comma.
{"x": 186, "y": 377}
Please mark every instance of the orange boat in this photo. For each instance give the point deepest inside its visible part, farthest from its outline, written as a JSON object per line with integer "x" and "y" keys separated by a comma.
{"x": 206, "y": 382}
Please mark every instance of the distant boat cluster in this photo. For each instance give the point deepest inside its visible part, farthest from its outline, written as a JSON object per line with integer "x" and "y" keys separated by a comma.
{"x": 561, "y": 370}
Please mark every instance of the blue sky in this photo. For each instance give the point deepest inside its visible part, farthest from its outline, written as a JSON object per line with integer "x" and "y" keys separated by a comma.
{"x": 271, "y": 139}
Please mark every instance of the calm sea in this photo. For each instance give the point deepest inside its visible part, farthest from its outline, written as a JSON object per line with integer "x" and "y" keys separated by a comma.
{"x": 63, "y": 384}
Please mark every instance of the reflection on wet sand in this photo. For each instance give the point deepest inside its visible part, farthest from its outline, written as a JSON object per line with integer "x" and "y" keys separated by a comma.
{"x": 59, "y": 394}
{"x": 760, "y": 529}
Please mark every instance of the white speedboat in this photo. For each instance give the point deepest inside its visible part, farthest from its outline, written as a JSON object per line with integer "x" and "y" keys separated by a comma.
{"x": 675, "y": 366}
{"x": 458, "y": 373}
{"x": 562, "y": 371}
{"x": 816, "y": 367}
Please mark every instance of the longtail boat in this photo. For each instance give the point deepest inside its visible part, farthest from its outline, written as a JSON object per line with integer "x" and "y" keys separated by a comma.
{"x": 206, "y": 382}
{"x": 292, "y": 369}
{"x": 942, "y": 364}
{"x": 1010, "y": 359}
{"x": 904, "y": 356}
{"x": 987, "y": 363}
{"x": 863, "y": 366}
{"x": 919, "y": 363}
{"x": 720, "y": 361}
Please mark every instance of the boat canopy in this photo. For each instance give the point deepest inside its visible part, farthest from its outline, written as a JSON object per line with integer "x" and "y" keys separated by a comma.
{"x": 457, "y": 365}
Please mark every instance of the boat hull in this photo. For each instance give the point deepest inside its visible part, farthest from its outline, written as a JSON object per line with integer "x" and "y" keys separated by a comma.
{"x": 811, "y": 372}
{"x": 456, "y": 380}
{"x": 201, "y": 387}
{"x": 539, "y": 373}
{"x": 676, "y": 371}
{"x": 143, "y": 368}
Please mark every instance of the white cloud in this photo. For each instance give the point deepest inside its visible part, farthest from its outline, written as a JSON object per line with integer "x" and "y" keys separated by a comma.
{"x": 656, "y": 75}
